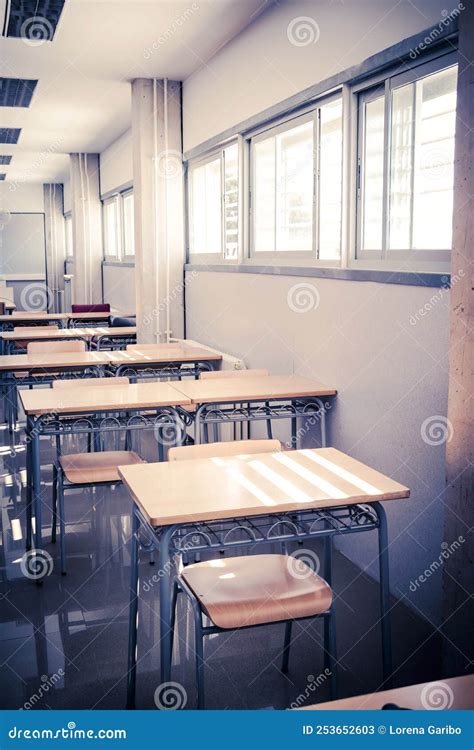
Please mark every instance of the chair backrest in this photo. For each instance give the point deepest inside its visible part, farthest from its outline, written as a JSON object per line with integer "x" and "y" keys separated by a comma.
{"x": 145, "y": 347}
{"x": 68, "y": 382}
{"x": 2, "y": 308}
{"x": 102, "y": 307}
{"x": 34, "y": 329}
{"x": 216, "y": 374}
{"x": 219, "y": 450}
{"x": 120, "y": 322}
{"x": 53, "y": 347}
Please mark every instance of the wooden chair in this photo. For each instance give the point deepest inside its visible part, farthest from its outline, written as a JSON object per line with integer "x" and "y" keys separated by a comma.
{"x": 53, "y": 347}
{"x": 242, "y": 592}
{"x": 74, "y": 470}
{"x": 145, "y": 347}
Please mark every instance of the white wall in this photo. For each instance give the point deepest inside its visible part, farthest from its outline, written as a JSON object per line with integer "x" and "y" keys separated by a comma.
{"x": 116, "y": 164}
{"x": 261, "y": 67}
{"x": 24, "y": 197}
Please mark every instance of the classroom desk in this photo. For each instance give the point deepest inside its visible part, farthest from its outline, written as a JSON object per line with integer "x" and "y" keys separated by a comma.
{"x": 59, "y": 412}
{"x": 454, "y": 693}
{"x": 8, "y": 322}
{"x": 267, "y": 498}
{"x": 102, "y": 337}
{"x": 164, "y": 362}
{"x": 267, "y": 397}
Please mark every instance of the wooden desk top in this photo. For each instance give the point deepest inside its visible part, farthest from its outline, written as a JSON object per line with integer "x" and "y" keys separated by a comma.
{"x": 38, "y": 315}
{"x": 56, "y": 361}
{"x": 253, "y": 389}
{"x": 65, "y": 333}
{"x": 161, "y": 354}
{"x": 59, "y": 360}
{"x": 208, "y": 489}
{"x": 76, "y": 400}
{"x": 415, "y": 697}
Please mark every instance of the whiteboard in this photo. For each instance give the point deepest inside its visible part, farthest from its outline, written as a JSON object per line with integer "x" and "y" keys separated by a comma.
{"x": 22, "y": 245}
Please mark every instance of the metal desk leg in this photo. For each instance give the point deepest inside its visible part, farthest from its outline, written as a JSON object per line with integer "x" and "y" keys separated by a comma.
{"x": 165, "y": 604}
{"x": 29, "y": 482}
{"x": 133, "y": 613}
{"x": 384, "y": 598}
{"x": 197, "y": 425}
{"x": 36, "y": 484}
{"x": 294, "y": 431}
{"x": 322, "y": 422}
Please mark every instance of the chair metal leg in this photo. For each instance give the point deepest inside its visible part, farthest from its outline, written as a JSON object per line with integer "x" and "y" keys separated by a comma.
{"x": 174, "y": 601}
{"x": 62, "y": 524}
{"x": 133, "y": 614}
{"x": 199, "y": 647}
{"x": 286, "y": 647}
{"x": 54, "y": 520}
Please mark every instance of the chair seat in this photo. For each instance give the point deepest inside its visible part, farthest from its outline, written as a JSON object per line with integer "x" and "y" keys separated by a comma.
{"x": 238, "y": 592}
{"x": 94, "y": 468}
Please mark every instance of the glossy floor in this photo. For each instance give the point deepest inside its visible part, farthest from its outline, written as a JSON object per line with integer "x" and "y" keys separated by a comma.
{"x": 64, "y": 644}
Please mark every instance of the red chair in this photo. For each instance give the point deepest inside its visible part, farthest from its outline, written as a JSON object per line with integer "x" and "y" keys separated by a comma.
{"x": 102, "y": 307}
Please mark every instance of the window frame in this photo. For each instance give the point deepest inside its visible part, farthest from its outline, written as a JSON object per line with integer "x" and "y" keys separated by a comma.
{"x": 116, "y": 198}
{"x": 416, "y": 260}
{"x": 124, "y": 256}
{"x": 214, "y": 155}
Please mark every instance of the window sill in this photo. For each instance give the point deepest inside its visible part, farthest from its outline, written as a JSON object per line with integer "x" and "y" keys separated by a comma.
{"x": 118, "y": 263}
{"x": 344, "y": 274}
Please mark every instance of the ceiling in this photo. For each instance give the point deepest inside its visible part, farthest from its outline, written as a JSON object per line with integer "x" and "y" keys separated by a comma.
{"x": 82, "y": 99}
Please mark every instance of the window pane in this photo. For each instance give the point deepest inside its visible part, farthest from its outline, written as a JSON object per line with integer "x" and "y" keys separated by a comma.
{"x": 434, "y": 160}
{"x": 372, "y": 174}
{"x": 330, "y": 181}
{"x": 111, "y": 235}
{"x": 283, "y": 214}
{"x": 206, "y": 225}
{"x": 401, "y": 167}
{"x": 231, "y": 202}
{"x": 128, "y": 225}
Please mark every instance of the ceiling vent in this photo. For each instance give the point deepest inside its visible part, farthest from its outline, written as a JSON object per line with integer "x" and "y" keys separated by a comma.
{"x": 2, "y": 175}
{"x": 4, "y": 159}
{"x": 16, "y": 92}
{"x": 9, "y": 135}
{"x": 34, "y": 21}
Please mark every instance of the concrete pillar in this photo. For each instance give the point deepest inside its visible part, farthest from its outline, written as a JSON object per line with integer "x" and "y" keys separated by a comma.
{"x": 55, "y": 243}
{"x": 159, "y": 208}
{"x": 86, "y": 228}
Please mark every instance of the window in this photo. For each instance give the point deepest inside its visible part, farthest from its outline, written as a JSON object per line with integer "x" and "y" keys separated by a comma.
{"x": 296, "y": 186}
{"x": 68, "y": 236}
{"x": 128, "y": 225}
{"x": 119, "y": 227}
{"x": 214, "y": 205}
{"x": 111, "y": 228}
{"x": 406, "y": 164}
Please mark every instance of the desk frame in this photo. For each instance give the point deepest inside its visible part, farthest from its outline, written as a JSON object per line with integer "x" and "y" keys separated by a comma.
{"x": 280, "y": 527}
